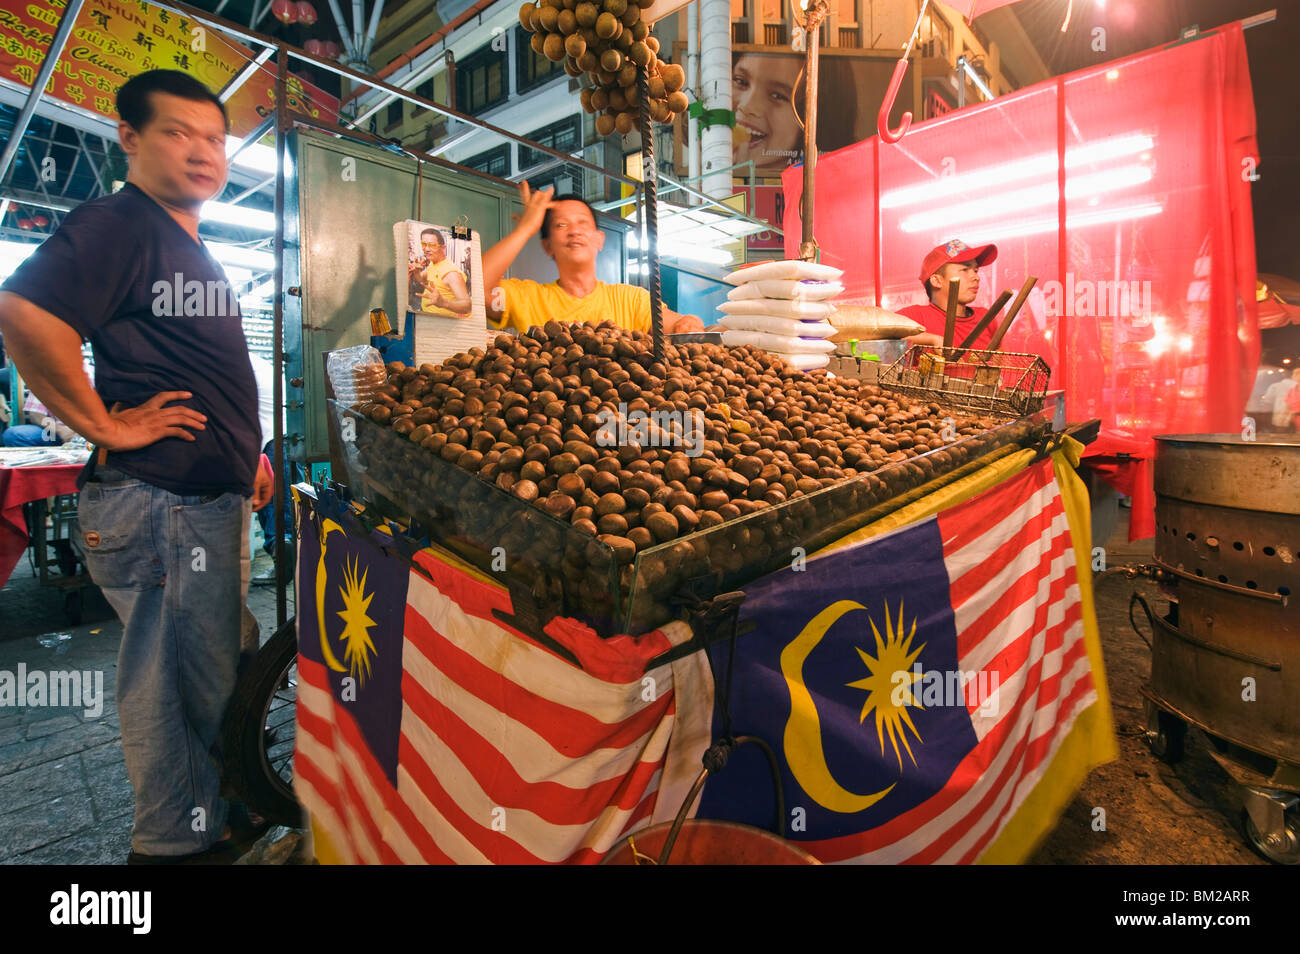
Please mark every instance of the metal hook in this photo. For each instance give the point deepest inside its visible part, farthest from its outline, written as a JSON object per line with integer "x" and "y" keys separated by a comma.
{"x": 882, "y": 119}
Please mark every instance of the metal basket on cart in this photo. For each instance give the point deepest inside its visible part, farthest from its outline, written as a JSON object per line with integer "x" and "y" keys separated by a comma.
{"x": 997, "y": 382}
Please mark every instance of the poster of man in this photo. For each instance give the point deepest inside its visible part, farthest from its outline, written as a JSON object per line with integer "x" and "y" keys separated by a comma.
{"x": 438, "y": 272}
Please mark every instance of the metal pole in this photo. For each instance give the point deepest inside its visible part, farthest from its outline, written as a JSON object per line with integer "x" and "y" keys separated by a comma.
{"x": 244, "y": 75}
{"x": 38, "y": 87}
{"x": 649, "y": 173}
{"x": 812, "y": 36}
{"x": 277, "y": 333}
{"x": 372, "y": 29}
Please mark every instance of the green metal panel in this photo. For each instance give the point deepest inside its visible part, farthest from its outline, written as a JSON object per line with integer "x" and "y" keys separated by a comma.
{"x": 348, "y": 197}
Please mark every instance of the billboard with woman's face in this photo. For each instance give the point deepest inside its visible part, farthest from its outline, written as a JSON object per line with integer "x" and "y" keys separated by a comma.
{"x": 768, "y": 99}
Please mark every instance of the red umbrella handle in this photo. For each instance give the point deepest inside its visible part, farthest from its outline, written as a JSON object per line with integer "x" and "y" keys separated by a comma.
{"x": 891, "y": 94}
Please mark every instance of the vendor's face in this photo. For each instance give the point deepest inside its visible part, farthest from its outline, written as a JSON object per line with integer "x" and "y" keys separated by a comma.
{"x": 762, "y": 96}
{"x": 968, "y": 273}
{"x": 573, "y": 239}
{"x": 434, "y": 251}
{"x": 179, "y": 156}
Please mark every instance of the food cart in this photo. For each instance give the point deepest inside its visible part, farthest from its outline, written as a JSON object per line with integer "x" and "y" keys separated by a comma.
{"x": 481, "y": 677}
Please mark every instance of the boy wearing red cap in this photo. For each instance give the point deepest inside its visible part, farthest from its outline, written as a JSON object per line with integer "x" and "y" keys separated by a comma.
{"x": 951, "y": 260}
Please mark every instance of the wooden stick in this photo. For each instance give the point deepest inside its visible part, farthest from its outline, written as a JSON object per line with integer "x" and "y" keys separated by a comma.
{"x": 1016, "y": 305}
{"x": 989, "y": 317}
{"x": 950, "y": 319}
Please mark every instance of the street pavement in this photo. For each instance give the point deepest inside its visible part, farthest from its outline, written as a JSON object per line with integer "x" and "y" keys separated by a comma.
{"x": 64, "y": 794}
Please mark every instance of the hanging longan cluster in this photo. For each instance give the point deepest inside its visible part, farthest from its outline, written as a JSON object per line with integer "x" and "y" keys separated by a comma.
{"x": 607, "y": 40}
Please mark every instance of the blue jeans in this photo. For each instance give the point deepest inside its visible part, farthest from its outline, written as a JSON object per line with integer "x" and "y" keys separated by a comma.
{"x": 27, "y": 435}
{"x": 170, "y": 567}
{"x": 266, "y": 516}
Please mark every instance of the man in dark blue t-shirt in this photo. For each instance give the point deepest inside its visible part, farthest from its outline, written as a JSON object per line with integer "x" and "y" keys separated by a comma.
{"x": 175, "y": 424}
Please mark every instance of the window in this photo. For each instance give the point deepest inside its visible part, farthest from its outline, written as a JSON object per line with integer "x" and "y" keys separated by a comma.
{"x": 936, "y": 36}
{"x": 495, "y": 162}
{"x": 564, "y": 136}
{"x": 531, "y": 68}
{"x": 567, "y": 180}
{"x": 740, "y": 32}
{"x": 425, "y": 91}
{"x": 394, "y": 114}
{"x": 774, "y": 34}
{"x": 481, "y": 80}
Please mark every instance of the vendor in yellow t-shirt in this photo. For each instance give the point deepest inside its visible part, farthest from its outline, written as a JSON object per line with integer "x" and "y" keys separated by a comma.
{"x": 438, "y": 283}
{"x": 570, "y": 236}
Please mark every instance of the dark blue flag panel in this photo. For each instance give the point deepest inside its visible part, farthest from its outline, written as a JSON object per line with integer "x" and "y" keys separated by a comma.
{"x": 833, "y": 678}
{"x": 351, "y": 621}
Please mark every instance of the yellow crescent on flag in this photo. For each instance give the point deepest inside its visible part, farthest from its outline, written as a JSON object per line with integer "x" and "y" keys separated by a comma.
{"x": 803, "y": 731}
{"x": 327, "y": 527}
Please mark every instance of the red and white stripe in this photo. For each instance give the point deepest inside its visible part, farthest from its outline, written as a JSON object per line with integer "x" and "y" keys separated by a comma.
{"x": 507, "y": 753}
{"x": 1018, "y": 616}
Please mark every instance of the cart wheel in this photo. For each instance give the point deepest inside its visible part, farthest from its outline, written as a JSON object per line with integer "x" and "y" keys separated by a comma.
{"x": 1286, "y": 851}
{"x": 73, "y": 605}
{"x": 259, "y": 730}
{"x": 1165, "y": 734}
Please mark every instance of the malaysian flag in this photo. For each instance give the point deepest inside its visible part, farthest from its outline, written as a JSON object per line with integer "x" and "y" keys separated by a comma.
{"x": 933, "y": 695}
{"x": 449, "y": 737}
{"x": 920, "y": 685}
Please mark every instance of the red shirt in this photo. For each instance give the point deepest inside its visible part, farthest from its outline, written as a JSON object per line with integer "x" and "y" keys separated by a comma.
{"x": 934, "y": 318}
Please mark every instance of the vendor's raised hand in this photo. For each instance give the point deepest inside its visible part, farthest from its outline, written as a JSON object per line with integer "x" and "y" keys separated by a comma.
{"x": 675, "y": 324}
{"x": 150, "y": 422}
{"x": 535, "y": 206}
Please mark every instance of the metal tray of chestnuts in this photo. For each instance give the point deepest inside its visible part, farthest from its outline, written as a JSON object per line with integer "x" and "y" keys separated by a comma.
{"x": 533, "y": 460}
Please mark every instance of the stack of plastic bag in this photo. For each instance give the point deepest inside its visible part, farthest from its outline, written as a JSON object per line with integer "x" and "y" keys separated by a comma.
{"x": 783, "y": 307}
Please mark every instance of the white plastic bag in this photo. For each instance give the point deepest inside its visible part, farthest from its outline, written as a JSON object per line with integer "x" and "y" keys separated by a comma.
{"x": 788, "y": 270}
{"x": 778, "y": 308}
{"x": 786, "y": 289}
{"x": 791, "y": 327}
{"x": 780, "y": 344}
{"x": 804, "y": 362}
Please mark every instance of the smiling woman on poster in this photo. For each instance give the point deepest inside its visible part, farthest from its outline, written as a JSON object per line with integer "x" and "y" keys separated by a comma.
{"x": 768, "y": 98}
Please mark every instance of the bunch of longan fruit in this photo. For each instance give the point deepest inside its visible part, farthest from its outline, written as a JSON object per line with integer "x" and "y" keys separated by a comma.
{"x": 607, "y": 40}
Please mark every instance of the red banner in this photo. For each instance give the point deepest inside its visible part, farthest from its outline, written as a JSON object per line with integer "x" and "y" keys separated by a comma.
{"x": 769, "y": 205}
{"x": 1145, "y": 303}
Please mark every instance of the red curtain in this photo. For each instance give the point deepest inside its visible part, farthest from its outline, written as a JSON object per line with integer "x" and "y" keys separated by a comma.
{"x": 1124, "y": 188}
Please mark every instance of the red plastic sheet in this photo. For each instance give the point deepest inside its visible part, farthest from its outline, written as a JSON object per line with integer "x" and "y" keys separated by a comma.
{"x": 1125, "y": 189}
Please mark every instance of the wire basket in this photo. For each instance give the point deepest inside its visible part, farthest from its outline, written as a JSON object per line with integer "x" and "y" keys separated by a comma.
{"x": 998, "y": 382}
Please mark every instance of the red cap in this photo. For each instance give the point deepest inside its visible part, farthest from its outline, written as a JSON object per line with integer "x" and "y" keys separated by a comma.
{"x": 956, "y": 251}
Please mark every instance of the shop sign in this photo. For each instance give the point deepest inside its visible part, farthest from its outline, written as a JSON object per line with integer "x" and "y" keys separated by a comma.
{"x": 114, "y": 40}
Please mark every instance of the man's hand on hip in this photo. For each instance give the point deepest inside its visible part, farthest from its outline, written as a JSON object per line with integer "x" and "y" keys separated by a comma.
{"x": 150, "y": 422}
